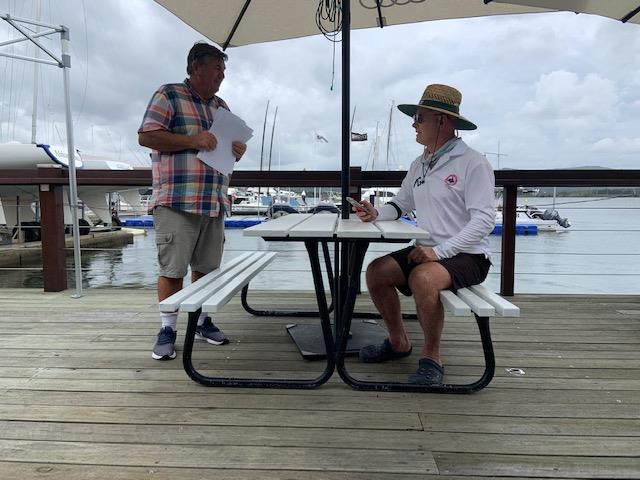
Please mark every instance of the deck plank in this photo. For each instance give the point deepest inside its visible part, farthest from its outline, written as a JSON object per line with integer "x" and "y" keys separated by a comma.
{"x": 80, "y": 397}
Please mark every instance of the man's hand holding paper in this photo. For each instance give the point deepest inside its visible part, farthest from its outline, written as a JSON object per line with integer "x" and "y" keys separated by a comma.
{"x": 238, "y": 149}
{"x": 204, "y": 141}
{"x": 231, "y": 133}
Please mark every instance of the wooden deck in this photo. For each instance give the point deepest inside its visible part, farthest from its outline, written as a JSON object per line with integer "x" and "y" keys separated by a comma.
{"x": 81, "y": 398}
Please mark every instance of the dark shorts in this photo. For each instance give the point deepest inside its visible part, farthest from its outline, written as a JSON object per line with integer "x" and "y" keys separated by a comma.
{"x": 466, "y": 269}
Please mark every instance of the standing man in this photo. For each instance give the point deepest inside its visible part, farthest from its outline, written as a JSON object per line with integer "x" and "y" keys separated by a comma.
{"x": 451, "y": 188}
{"x": 189, "y": 197}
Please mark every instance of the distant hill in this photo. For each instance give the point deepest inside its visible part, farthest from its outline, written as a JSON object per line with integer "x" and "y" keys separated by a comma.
{"x": 583, "y": 167}
{"x": 584, "y": 191}
{"x": 589, "y": 191}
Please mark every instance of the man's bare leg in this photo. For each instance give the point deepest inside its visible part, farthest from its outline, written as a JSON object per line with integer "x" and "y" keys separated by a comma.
{"x": 195, "y": 276}
{"x": 426, "y": 281}
{"x": 168, "y": 286}
{"x": 382, "y": 276}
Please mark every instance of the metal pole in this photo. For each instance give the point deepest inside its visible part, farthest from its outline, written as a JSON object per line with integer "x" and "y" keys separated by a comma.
{"x": 389, "y": 132}
{"x": 73, "y": 188}
{"x": 18, "y": 218}
{"x": 36, "y": 69}
{"x": 346, "y": 100}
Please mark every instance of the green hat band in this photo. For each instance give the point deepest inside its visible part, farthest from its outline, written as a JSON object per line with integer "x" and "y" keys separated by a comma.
{"x": 444, "y": 106}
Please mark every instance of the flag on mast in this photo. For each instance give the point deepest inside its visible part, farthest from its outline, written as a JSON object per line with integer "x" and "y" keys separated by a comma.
{"x": 358, "y": 137}
{"x": 320, "y": 138}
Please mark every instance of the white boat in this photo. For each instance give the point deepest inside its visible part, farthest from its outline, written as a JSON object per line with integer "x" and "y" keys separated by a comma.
{"x": 269, "y": 201}
{"x": 325, "y": 205}
{"x": 545, "y": 220}
{"x": 18, "y": 204}
{"x": 380, "y": 195}
{"x": 528, "y": 191}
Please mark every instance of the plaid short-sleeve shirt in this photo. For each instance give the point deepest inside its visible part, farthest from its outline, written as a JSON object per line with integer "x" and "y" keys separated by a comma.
{"x": 180, "y": 180}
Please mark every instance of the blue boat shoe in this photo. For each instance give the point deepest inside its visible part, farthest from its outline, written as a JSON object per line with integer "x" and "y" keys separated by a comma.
{"x": 209, "y": 332}
{"x": 165, "y": 347}
{"x": 381, "y": 353}
{"x": 428, "y": 373}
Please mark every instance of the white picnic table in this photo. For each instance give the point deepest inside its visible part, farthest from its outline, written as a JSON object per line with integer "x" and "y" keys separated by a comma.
{"x": 351, "y": 238}
{"x": 328, "y": 226}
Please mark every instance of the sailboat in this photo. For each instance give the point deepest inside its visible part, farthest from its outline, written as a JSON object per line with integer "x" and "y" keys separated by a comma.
{"x": 274, "y": 202}
{"x": 19, "y": 204}
{"x": 380, "y": 195}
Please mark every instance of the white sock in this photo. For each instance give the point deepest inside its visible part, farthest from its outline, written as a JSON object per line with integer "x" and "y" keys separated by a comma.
{"x": 201, "y": 318}
{"x": 169, "y": 320}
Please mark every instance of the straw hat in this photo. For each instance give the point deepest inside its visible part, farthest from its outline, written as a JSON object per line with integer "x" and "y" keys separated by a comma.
{"x": 443, "y": 99}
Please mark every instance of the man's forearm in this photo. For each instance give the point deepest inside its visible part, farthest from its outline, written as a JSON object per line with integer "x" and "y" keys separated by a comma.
{"x": 163, "y": 141}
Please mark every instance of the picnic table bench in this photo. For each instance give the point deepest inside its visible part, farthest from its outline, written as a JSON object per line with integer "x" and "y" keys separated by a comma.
{"x": 212, "y": 292}
{"x": 351, "y": 238}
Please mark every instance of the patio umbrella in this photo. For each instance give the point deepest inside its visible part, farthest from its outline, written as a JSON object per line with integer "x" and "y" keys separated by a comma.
{"x": 233, "y": 23}
{"x": 623, "y": 10}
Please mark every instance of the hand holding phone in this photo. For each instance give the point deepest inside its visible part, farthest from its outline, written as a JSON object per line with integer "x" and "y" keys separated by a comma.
{"x": 364, "y": 210}
{"x": 357, "y": 205}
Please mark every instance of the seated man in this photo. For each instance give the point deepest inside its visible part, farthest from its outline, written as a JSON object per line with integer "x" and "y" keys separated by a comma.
{"x": 451, "y": 188}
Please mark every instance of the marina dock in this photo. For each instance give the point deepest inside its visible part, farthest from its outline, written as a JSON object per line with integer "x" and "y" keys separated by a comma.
{"x": 19, "y": 254}
{"x": 81, "y": 398}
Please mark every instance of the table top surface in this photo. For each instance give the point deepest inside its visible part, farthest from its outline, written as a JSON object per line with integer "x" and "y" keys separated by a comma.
{"x": 329, "y": 226}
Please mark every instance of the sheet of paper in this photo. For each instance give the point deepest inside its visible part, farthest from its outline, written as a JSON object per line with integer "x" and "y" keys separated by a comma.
{"x": 227, "y": 128}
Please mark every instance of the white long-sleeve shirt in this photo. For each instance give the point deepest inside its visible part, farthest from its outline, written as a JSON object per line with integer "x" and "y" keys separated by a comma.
{"x": 454, "y": 201}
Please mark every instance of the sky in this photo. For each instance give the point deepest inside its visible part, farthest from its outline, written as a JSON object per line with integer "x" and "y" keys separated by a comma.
{"x": 547, "y": 90}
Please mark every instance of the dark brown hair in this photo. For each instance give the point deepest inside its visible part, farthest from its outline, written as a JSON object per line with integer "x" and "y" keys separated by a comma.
{"x": 201, "y": 52}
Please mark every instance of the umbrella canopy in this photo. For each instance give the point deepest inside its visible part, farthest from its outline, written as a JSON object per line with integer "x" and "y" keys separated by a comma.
{"x": 243, "y": 22}
{"x": 623, "y": 10}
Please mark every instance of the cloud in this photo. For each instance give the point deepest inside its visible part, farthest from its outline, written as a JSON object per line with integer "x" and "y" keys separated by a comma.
{"x": 554, "y": 90}
{"x": 563, "y": 96}
{"x": 619, "y": 146}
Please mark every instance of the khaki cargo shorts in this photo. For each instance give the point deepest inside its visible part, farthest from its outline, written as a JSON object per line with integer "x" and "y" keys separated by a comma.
{"x": 184, "y": 239}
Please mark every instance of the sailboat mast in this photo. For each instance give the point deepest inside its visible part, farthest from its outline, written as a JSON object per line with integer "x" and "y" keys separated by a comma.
{"x": 389, "y": 132}
{"x": 36, "y": 71}
{"x": 264, "y": 127}
{"x": 353, "y": 116}
{"x": 375, "y": 150}
{"x": 273, "y": 127}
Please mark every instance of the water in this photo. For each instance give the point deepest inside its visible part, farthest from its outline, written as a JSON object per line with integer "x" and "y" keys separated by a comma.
{"x": 596, "y": 255}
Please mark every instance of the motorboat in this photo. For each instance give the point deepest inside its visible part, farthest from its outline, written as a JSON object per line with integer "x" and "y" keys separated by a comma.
{"x": 379, "y": 196}
{"x": 270, "y": 202}
{"x": 548, "y": 220}
{"x": 325, "y": 205}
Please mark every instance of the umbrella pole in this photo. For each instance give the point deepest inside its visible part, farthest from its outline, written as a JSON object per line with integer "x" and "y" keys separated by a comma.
{"x": 346, "y": 77}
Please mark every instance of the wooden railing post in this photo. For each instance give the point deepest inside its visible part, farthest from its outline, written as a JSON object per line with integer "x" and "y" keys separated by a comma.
{"x": 355, "y": 176}
{"x": 52, "y": 235}
{"x": 507, "y": 273}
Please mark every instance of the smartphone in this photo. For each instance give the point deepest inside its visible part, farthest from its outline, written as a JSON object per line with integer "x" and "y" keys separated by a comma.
{"x": 355, "y": 203}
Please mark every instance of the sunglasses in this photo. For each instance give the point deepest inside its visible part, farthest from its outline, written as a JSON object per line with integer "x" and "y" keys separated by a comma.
{"x": 419, "y": 118}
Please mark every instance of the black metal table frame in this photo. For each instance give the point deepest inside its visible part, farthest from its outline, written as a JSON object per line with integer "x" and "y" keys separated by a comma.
{"x": 355, "y": 250}
{"x": 349, "y": 258}
{"x": 323, "y": 312}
